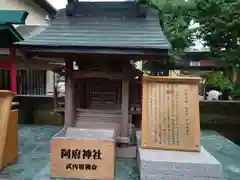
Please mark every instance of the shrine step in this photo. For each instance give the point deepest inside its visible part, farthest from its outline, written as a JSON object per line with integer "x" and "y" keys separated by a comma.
{"x": 106, "y": 116}
{"x": 101, "y": 119}
{"x": 100, "y": 115}
{"x": 102, "y": 125}
{"x": 103, "y": 111}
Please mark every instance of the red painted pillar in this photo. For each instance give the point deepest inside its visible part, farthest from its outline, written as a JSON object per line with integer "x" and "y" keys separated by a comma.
{"x": 13, "y": 71}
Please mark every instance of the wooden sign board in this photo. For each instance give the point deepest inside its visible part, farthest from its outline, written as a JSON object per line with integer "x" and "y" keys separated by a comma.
{"x": 170, "y": 113}
{"x": 76, "y": 156}
{"x": 8, "y": 130}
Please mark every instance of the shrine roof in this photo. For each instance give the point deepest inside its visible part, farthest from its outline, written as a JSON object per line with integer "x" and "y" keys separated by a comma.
{"x": 102, "y": 25}
{"x": 8, "y": 34}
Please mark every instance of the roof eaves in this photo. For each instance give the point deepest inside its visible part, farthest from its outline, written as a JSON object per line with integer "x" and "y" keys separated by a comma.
{"x": 13, "y": 16}
{"x": 16, "y": 33}
{"x": 12, "y": 35}
{"x": 92, "y": 50}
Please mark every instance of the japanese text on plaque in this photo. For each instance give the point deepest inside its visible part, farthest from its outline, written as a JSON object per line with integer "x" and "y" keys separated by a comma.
{"x": 94, "y": 154}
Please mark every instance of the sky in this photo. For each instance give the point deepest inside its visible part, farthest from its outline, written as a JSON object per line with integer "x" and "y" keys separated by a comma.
{"x": 58, "y": 4}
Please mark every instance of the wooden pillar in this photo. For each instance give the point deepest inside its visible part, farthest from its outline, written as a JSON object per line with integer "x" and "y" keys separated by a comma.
{"x": 55, "y": 92}
{"x": 69, "y": 95}
{"x": 13, "y": 71}
{"x": 124, "y": 108}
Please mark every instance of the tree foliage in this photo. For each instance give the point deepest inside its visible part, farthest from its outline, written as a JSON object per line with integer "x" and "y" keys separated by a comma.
{"x": 219, "y": 27}
{"x": 175, "y": 18}
{"x": 217, "y": 79}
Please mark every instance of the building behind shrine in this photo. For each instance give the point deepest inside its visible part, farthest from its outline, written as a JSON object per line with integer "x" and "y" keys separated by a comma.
{"x": 19, "y": 20}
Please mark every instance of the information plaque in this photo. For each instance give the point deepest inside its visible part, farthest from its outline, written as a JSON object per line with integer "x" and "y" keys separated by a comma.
{"x": 170, "y": 113}
{"x": 83, "y": 154}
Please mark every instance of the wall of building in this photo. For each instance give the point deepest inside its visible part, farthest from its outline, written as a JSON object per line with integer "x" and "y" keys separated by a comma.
{"x": 139, "y": 65}
{"x": 174, "y": 73}
{"x": 212, "y": 113}
{"x": 220, "y": 112}
{"x": 50, "y": 83}
{"x": 220, "y": 116}
{"x": 36, "y": 13}
{"x": 37, "y": 110}
{"x": 37, "y": 17}
{"x": 223, "y": 117}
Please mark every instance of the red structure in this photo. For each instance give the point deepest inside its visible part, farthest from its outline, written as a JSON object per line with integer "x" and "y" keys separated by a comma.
{"x": 11, "y": 65}
{"x": 13, "y": 71}
{"x": 9, "y": 35}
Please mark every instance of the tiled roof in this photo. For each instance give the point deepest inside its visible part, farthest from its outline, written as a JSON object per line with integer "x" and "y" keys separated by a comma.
{"x": 27, "y": 31}
{"x": 103, "y": 24}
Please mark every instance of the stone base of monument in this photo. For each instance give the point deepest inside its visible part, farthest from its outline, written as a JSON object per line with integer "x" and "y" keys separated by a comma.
{"x": 177, "y": 165}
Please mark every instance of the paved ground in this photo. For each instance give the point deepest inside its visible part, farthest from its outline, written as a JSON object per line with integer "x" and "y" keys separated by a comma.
{"x": 33, "y": 163}
{"x": 224, "y": 151}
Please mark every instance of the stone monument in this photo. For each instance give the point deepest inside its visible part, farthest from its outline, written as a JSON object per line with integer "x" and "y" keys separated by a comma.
{"x": 169, "y": 144}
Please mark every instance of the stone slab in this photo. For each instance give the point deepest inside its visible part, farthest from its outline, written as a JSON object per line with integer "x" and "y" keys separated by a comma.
{"x": 177, "y": 165}
{"x": 126, "y": 152}
{"x": 86, "y": 134}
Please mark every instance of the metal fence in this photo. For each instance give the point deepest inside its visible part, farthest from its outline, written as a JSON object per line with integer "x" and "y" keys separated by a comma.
{"x": 29, "y": 82}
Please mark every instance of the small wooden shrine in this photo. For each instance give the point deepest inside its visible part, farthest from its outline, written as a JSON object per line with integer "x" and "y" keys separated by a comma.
{"x": 99, "y": 41}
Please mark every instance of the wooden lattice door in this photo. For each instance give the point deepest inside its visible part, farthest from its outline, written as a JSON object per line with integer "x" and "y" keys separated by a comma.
{"x": 104, "y": 93}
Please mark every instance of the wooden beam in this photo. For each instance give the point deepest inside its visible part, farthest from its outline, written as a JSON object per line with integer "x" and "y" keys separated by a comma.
{"x": 124, "y": 109}
{"x": 125, "y": 105}
{"x": 69, "y": 95}
{"x": 97, "y": 74}
{"x": 37, "y": 66}
{"x": 45, "y": 53}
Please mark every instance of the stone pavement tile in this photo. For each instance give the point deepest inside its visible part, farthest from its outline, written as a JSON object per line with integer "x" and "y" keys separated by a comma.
{"x": 224, "y": 151}
{"x": 42, "y": 148}
{"x": 38, "y": 138}
{"x": 48, "y": 130}
{"x": 33, "y": 164}
{"x": 41, "y": 134}
{"x": 125, "y": 170}
{"x": 28, "y": 159}
{"x": 43, "y": 174}
{"x": 24, "y": 134}
{"x": 34, "y": 156}
{"x": 27, "y": 148}
{"x": 13, "y": 172}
